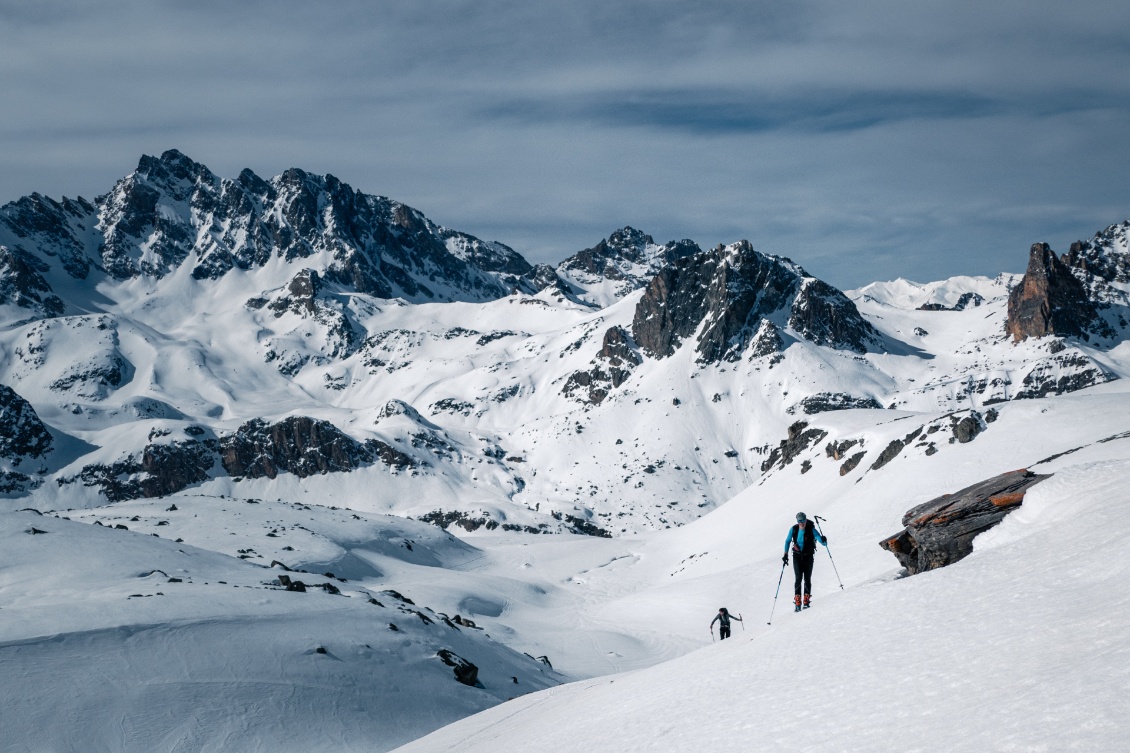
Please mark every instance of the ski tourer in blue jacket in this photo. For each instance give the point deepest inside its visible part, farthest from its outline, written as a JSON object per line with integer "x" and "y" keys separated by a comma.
{"x": 801, "y": 541}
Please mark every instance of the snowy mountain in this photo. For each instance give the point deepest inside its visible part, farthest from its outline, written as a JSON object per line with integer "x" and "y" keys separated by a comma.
{"x": 615, "y": 267}
{"x": 238, "y": 384}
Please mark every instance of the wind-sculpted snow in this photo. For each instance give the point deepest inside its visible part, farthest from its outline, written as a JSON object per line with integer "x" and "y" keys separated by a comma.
{"x": 178, "y": 647}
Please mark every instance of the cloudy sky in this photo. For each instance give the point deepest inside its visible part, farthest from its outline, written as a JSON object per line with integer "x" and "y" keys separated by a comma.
{"x": 866, "y": 140}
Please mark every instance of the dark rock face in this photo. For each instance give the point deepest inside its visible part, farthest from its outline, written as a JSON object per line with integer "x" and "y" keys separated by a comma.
{"x": 305, "y": 297}
{"x": 1064, "y": 372}
{"x": 825, "y": 316}
{"x": 941, "y": 531}
{"x": 830, "y": 401}
{"x": 967, "y": 429}
{"x": 966, "y": 300}
{"x": 628, "y": 256}
{"x": 22, "y": 284}
{"x": 849, "y": 465}
{"x": 181, "y": 213}
{"x": 22, "y": 434}
{"x": 892, "y": 450}
{"x": 799, "y": 439}
{"x": 612, "y": 367}
{"x": 465, "y": 672}
{"x": 730, "y": 291}
{"x": 767, "y": 341}
{"x": 299, "y": 445}
{"x": 55, "y": 229}
{"x": 1106, "y": 256}
{"x": 838, "y": 450}
{"x": 162, "y": 469}
{"x": 1049, "y": 300}
{"x": 302, "y": 446}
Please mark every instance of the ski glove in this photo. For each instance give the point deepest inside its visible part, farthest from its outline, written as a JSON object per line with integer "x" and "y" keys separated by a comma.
{"x": 785, "y": 559}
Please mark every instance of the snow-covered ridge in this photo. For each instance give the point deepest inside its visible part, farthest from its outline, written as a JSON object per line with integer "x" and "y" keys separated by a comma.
{"x": 193, "y": 306}
{"x": 215, "y": 390}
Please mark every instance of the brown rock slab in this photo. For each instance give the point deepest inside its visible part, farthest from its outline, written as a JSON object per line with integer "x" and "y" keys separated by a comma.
{"x": 941, "y": 531}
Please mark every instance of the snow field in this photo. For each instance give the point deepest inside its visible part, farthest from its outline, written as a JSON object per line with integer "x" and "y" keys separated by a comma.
{"x": 1018, "y": 647}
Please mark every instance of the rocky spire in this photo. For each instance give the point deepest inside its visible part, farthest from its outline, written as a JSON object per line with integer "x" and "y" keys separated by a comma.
{"x": 1049, "y": 300}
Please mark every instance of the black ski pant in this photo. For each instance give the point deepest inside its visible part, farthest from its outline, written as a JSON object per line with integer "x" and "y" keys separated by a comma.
{"x": 724, "y": 631}
{"x": 802, "y": 569}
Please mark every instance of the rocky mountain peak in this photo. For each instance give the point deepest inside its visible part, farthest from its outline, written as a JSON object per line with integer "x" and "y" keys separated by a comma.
{"x": 629, "y": 241}
{"x": 627, "y": 259}
{"x": 1049, "y": 300}
{"x": 174, "y": 173}
{"x": 1107, "y": 255}
{"x": 728, "y": 292}
{"x": 172, "y": 211}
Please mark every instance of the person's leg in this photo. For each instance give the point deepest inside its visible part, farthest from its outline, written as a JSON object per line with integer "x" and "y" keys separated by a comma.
{"x": 724, "y": 631}
{"x": 809, "y": 561}
{"x": 798, "y": 571}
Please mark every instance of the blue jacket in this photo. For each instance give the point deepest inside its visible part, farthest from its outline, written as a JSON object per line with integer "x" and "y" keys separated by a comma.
{"x": 800, "y": 532}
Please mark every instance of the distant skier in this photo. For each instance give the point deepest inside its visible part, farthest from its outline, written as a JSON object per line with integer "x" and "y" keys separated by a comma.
{"x": 802, "y": 540}
{"x": 723, "y": 618}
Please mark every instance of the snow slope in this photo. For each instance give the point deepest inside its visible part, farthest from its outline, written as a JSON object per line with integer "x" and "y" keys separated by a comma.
{"x": 116, "y": 640}
{"x": 175, "y": 634}
{"x": 1020, "y": 646}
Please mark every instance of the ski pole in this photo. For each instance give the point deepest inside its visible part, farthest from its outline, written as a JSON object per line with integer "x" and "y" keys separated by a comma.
{"x": 741, "y": 621}
{"x": 817, "y": 518}
{"x": 779, "y": 579}
{"x": 711, "y": 633}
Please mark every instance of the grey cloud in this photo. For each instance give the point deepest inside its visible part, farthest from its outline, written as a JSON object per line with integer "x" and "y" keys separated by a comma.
{"x": 863, "y": 139}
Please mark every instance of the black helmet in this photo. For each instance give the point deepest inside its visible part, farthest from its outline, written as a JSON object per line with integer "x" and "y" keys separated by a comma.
{"x": 801, "y": 517}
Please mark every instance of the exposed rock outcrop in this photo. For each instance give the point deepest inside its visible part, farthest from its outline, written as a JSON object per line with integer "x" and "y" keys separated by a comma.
{"x": 1049, "y": 300}
{"x": 941, "y": 531}
{"x": 1066, "y": 371}
{"x": 629, "y": 258}
{"x": 611, "y": 368}
{"x": 966, "y": 299}
{"x": 893, "y": 448}
{"x": 162, "y": 469}
{"x": 22, "y": 434}
{"x": 302, "y": 446}
{"x": 799, "y": 439}
{"x": 1106, "y": 256}
{"x": 725, "y": 294}
{"x": 767, "y": 341}
{"x": 823, "y": 402}
{"x": 465, "y": 672}
{"x": 22, "y": 284}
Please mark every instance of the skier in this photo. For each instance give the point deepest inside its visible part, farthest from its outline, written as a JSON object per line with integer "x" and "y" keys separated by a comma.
{"x": 723, "y": 618}
{"x": 802, "y": 540}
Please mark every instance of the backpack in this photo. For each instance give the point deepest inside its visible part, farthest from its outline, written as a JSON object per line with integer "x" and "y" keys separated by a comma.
{"x": 809, "y": 537}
